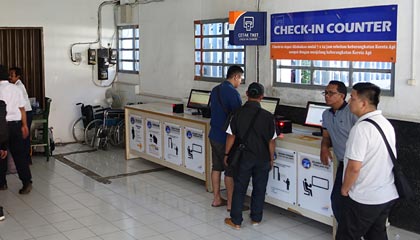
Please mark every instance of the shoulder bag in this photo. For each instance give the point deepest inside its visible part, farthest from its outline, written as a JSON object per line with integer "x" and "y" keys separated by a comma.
{"x": 401, "y": 182}
{"x": 239, "y": 145}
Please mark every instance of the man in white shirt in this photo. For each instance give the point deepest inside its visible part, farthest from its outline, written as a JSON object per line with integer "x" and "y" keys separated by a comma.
{"x": 368, "y": 184}
{"x": 18, "y": 131}
{"x": 15, "y": 75}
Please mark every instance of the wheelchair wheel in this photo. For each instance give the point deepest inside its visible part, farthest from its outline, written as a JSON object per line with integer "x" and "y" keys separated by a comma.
{"x": 92, "y": 130}
{"x": 78, "y": 131}
{"x": 117, "y": 136}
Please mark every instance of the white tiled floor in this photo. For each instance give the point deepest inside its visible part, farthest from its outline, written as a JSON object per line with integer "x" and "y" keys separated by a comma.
{"x": 66, "y": 204}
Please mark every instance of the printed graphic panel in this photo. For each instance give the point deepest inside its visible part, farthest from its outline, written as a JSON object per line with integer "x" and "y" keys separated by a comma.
{"x": 247, "y": 28}
{"x": 282, "y": 179}
{"x": 173, "y": 144}
{"x": 315, "y": 182}
{"x": 194, "y": 149}
{"x": 153, "y": 138}
{"x": 136, "y": 132}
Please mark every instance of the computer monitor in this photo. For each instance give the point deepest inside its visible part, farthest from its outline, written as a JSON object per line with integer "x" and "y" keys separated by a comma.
{"x": 270, "y": 104}
{"x": 198, "y": 99}
{"x": 314, "y": 112}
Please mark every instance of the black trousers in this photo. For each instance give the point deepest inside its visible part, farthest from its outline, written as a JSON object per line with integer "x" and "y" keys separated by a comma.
{"x": 258, "y": 170}
{"x": 19, "y": 153}
{"x": 27, "y": 140}
{"x": 359, "y": 220}
{"x": 336, "y": 197}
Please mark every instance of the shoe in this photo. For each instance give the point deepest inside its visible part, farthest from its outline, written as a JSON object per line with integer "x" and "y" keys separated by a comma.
{"x": 3, "y": 187}
{"x": 228, "y": 221}
{"x": 254, "y": 223}
{"x": 2, "y": 217}
{"x": 223, "y": 202}
{"x": 26, "y": 188}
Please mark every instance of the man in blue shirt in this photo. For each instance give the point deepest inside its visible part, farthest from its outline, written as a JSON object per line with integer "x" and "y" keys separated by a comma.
{"x": 224, "y": 99}
{"x": 336, "y": 123}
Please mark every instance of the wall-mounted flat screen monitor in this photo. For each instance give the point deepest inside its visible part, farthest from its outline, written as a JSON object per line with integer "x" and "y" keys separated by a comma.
{"x": 314, "y": 112}
{"x": 270, "y": 104}
{"x": 199, "y": 99}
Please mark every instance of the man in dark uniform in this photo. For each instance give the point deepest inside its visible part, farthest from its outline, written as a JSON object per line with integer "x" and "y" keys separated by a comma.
{"x": 4, "y": 139}
{"x": 257, "y": 158}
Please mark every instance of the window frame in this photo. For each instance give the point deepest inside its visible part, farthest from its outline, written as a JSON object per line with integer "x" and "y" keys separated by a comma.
{"x": 350, "y": 69}
{"x": 135, "y": 61}
{"x": 223, "y": 50}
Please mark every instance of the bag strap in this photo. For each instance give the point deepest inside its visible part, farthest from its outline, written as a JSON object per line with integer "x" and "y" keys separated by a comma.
{"x": 391, "y": 153}
{"x": 251, "y": 125}
{"x": 219, "y": 98}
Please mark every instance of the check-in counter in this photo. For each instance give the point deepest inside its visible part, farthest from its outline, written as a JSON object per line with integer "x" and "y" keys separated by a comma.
{"x": 176, "y": 140}
{"x": 298, "y": 181}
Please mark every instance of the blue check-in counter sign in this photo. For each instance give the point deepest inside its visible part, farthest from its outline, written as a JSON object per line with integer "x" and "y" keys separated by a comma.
{"x": 247, "y": 28}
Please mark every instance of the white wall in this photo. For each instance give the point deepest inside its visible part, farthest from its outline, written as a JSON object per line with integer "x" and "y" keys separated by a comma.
{"x": 63, "y": 22}
{"x": 166, "y": 36}
{"x": 167, "y": 50}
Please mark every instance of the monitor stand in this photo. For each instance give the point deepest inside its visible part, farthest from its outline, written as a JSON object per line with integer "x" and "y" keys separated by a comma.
{"x": 197, "y": 113}
{"x": 318, "y": 134}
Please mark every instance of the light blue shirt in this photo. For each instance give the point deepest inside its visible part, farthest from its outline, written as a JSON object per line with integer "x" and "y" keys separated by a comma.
{"x": 338, "y": 124}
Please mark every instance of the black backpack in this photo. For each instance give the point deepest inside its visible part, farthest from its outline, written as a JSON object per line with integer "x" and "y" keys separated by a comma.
{"x": 4, "y": 133}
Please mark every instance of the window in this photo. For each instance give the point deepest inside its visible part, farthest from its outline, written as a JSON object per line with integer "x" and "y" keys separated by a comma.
{"x": 128, "y": 49}
{"x": 319, "y": 73}
{"x": 213, "y": 53}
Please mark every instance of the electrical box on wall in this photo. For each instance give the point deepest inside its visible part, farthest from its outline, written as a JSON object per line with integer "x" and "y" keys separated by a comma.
{"x": 103, "y": 63}
{"x": 91, "y": 56}
{"x": 112, "y": 56}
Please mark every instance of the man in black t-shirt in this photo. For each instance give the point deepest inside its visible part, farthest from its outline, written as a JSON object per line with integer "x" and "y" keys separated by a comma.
{"x": 257, "y": 158}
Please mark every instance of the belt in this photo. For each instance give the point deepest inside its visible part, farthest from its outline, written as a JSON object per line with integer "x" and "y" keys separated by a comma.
{"x": 14, "y": 122}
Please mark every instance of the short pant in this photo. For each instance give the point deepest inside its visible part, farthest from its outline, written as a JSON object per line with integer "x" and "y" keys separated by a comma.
{"x": 217, "y": 155}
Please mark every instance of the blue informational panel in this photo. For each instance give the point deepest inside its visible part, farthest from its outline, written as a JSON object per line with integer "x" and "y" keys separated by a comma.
{"x": 377, "y": 23}
{"x": 247, "y": 28}
{"x": 350, "y": 34}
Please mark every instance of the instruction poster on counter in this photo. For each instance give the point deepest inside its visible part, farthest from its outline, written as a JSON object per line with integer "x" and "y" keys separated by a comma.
{"x": 315, "y": 182}
{"x": 173, "y": 144}
{"x": 153, "y": 138}
{"x": 136, "y": 133}
{"x": 194, "y": 149}
{"x": 282, "y": 178}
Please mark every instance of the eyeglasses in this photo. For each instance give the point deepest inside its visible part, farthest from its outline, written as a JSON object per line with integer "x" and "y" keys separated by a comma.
{"x": 329, "y": 93}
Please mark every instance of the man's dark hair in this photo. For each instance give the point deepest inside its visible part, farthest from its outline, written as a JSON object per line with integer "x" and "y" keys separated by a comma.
{"x": 368, "y": 91}
{"x": 18, "y": 71}
{"x": 255, "y": 90}
{"x": 341, "y": 87}
{"x": 235, "y": 69}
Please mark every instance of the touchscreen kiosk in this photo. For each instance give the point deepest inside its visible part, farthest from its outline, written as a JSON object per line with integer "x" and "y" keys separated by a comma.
{"x": 270, "y": 104}
{"x": 198, "y": 99}
{"x": 314, "y": 112}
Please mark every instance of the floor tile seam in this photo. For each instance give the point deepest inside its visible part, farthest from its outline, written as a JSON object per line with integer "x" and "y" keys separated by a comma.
{"x": 49, "y": 224}
{"x": 97, "y": 177}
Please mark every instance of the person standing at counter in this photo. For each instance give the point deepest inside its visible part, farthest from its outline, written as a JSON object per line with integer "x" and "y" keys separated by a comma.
{"x": 257, "y": 158}
{"x": 336, "y": 124}
{"x": 368, "y": 185}
{"x": 15, "y": 75}
{"x": 224, "y": 100}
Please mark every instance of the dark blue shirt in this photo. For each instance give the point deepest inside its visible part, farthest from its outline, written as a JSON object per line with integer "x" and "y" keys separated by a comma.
{"x": 231, "y": 101}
